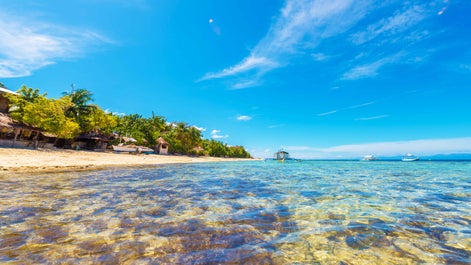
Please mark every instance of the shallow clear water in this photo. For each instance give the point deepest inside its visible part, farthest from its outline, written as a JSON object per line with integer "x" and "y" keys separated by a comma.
{"x": 312, "y": 212}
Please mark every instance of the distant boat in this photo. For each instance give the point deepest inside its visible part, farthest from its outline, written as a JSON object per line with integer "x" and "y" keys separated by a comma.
{"x": 281, "y": 156}
{"x": 369, "y": 158}
{"x": 132, "y": 149}
{"x": 410, "y": 158}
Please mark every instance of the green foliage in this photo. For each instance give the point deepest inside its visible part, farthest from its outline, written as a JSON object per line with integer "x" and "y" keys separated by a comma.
{"x": 131, "y": 126}
{"x": 182, "y": 138}
{"x": 218, "y": 149}
{"x": 72, "y": 114}
{"x": 99, "y": 121}
{"x": 48, "y": 115}
{"x": 27, "y": 95}
{"x": 80, "y": 110}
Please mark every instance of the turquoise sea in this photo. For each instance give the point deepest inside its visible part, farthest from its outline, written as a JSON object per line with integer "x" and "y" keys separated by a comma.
{"x": 310, "y": 212}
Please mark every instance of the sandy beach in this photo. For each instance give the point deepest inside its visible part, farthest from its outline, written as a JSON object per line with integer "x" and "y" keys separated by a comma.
{"x": 47, "y": 160}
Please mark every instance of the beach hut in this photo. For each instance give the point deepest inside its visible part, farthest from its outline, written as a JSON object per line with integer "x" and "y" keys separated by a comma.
{"x": 95, "y": 141}
{"x": 4, "y": 102}
{"x": 162, "y": 146}
{"x": 197, "y": 150}
{"x": 16, "y": 134}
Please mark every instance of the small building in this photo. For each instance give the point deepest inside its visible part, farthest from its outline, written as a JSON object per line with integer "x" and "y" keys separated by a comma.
{"x": 162, "y": 146}
{"x": 91, "y": 141}
{"x": 15, "y": 134}
{"x": 4, "y": 102}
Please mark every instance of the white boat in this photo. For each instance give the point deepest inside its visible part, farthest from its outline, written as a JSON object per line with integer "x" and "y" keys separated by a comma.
{"x": 410, "y": 158}
{"x": 281, "y": 156}
{"x": 369, "y": 158}
{"x": 132, "y": 149}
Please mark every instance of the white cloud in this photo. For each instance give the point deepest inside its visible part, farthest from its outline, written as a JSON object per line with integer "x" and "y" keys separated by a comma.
{"x": 215, "y": 135}
{"x": 371, "y": 69}
{"x": 306, "y": 27}
{"x": 372, "y": 118}
{"x": 347, "y": 108}
{"x": 421, "y": 147}
{"x": 320, "y": 57}
{"x": 301, "y": 24}
{"x": 361, "y": 105}
{"x": 244, "y": 118}
{"x": 275, "y": 126}
{"x": 397, "y": 23}
{"x": 201, "y": 129}
{"x": 246, "y": 83}
{"x": 249, "y": 63}
{"x": 26, "y": 46}
{"x": 327, "y": 113}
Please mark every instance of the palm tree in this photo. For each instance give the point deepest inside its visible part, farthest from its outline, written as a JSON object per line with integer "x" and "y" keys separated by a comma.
{"x": 79, "y": 108}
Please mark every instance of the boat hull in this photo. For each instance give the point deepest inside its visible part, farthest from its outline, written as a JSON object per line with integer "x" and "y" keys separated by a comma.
{"x": 410, "y": 159}
{"x": 132, "y": 149}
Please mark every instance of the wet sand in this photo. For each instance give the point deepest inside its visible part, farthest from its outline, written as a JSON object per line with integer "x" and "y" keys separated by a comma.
{"x": 47, "y": 160}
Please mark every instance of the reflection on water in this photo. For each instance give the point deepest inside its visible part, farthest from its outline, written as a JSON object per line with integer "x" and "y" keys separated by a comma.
{"x": 241, "y": 213}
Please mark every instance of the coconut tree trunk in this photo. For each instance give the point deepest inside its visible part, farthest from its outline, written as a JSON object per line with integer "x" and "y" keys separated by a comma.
{"x": 35, "y": 139}
{"x": 17, "y": 132}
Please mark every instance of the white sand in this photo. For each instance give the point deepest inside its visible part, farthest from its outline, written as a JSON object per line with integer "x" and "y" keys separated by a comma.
{"x": 25, "y": 160}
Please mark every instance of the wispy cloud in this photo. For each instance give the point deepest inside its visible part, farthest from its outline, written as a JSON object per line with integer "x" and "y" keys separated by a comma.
{"x": 244, "y": 118}
{"x": 308, "y": 27}
{"x": 201, "y": 129}
{"x": 26, "y": 46}
{"x": 372, "y": 118}
{"x": 327, "y": 113}
{"x": 215, "y": 134}
{"x": 465, "y": 67}
{"x": 301, "y": 24}
{"x": 420, "y": 147}
{"x": 320, "y": 57}
{"x": 275, "y": 126}
{"x": 249, "y": 63}
{"x": 371, "y": 69}
{"x": 395, "y": 24}
{"x": 360, "y": 105}
{"x": 347, "y": 108}
{"x": 240, "y": 84}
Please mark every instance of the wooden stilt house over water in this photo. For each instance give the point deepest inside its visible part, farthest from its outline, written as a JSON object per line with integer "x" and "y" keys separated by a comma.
{"x": 281, "y": 155}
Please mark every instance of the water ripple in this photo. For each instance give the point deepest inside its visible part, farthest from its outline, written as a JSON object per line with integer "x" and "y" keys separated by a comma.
{"x": 241, "y": 213}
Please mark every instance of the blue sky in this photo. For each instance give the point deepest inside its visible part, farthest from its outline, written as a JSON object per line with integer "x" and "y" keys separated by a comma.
{"x": 321, "y": 79}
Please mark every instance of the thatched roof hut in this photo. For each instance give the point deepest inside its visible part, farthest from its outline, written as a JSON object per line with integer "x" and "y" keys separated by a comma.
{"x": 162, "y": 146}
{"x": 91, "y": 141}
{"x": 4, "y": 102}
{"x": 8, "y": 123}
{"x": 14, "y": 133}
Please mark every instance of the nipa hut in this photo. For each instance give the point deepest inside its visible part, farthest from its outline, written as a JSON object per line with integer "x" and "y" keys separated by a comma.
{"x": 15, "y": 134}
{"x": 91, "y": 141}
{"x": 162, "y": 146}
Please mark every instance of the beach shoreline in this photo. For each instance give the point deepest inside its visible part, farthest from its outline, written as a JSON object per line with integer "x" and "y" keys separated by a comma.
{"x": 15, "y": 160}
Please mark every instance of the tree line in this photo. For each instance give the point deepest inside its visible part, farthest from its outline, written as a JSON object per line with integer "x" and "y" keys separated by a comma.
{"x": 74, "y": 114}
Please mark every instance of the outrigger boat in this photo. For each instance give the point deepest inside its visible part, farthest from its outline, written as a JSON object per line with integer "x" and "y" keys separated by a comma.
{"x": 369, "y": 158}
{"x": 130, "y": 148}
{"x": 281, "y": 156}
